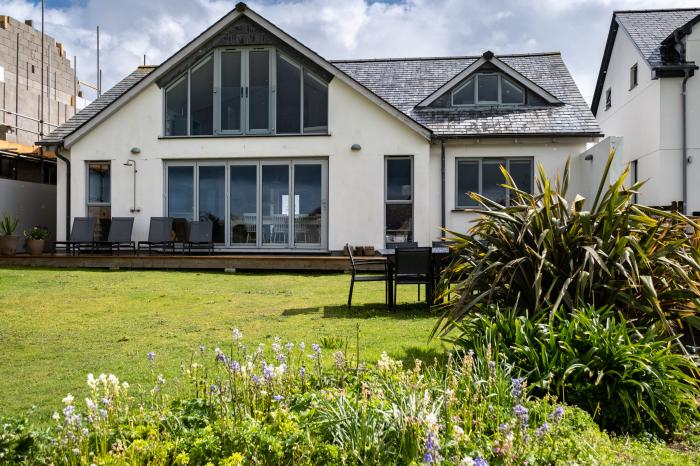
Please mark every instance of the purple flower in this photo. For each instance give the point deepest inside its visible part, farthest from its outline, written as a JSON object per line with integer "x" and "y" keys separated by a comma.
{"x": 289, "y": 346}
{"x": 516, "y": 390}
{"x": 478, "y": 461}
{"x": 213, "y": 388}
{"x": 541, "y": 430}
{"x": 268, "y": 370}
{"x": 237, "y": 335}
{"x": 151, "y": 356}
{"x": 427, "y": 458}
{"x": 502, "y": 427}
{"x": 255, "y": 379}
{"x": 302, "y": 372}
{"x": 235, "y": 366}
{"x": 521, "y": 412}
{"x": 278, "y": 398}
{"x": 316, "y": 348}
{"x": 558, "y": 414}
{"x": 280, "y": 357}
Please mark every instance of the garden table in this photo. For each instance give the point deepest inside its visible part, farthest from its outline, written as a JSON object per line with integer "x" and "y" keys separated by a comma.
{"x": 438, "y": 253}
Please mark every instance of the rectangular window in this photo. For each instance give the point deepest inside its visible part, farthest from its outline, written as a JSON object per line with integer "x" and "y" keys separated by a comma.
{"x": 244, "y": 204}
{"x": 608, "y": 98}
{"x": 212, "y": 199}
{"x": 231, "y": 91}
{"x": 181, "y": 191}
{"x": 483, "y": 176}
{"x": 259, "y": 90}
{"x": 99, "y": 196}
{"x": 202, "y": 98}
{"x": 398, "y": 202}
{"x": 633, "y": 76}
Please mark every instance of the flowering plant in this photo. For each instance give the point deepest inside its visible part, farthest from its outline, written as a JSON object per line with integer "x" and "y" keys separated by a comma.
{"x": 36, "y": 232}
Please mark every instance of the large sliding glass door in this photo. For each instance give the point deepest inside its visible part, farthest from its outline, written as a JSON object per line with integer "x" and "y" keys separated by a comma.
{"x": 272, "y": 204}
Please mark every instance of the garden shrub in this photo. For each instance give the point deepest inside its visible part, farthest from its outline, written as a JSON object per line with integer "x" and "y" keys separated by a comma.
{"x": 628, "y": 378}
{"x": 543, "y": 252}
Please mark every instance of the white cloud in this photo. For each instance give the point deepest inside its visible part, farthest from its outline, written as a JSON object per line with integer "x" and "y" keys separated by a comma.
{"x": 341, "y": 29}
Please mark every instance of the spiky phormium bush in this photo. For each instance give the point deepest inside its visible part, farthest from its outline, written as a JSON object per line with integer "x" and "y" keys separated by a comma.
{"x": 543, "y": 251}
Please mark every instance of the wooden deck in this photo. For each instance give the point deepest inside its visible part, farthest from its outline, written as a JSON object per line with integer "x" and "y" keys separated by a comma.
{"x": 214, "y": 262}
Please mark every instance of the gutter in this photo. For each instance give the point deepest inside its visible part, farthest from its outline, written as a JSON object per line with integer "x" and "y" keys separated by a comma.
{"x": 68, "y": 183}
{"x": 443, "y": 221}
{"x": 684, "y": 111}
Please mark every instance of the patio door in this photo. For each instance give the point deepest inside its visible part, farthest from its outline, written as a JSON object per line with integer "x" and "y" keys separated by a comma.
{"x": 268, "y": 204}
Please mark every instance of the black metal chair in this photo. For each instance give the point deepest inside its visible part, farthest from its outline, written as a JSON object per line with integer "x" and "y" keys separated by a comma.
{"x": 402, "y": 245}
{"x": 181, "y": 229}
{"x": 160, "y": 236}
{"x": 200, "y": 237}
{"x": 81, "y": 234}
{"x": 414, "y": 266}
{"x": 359, "y": 275}
{"x": 119, "y": 237}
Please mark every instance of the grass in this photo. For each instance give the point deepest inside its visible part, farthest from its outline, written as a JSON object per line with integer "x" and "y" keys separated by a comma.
{"x": 59, "y": 325}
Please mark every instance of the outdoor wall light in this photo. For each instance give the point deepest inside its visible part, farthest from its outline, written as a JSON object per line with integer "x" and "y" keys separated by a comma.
{"x": 135, "y": 150}
{"x": 356, "y": 147}
{"x": 588, "y": 157}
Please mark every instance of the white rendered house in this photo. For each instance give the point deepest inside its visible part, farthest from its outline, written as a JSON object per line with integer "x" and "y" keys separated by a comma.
{"x": 648, "y": 97}
{"x": 286, "y": 151}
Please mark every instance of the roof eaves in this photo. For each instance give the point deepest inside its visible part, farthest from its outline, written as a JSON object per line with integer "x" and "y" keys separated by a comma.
{"x": 602, "y": 72}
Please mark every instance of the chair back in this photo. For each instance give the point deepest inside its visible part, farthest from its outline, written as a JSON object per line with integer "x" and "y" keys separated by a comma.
{"x": 250, "y": 221}
{"x": 413, "y": 261}
{"x": 161, "y": 230}
{"x": 83, "y": 230}
{"x": 403, "y": 245}
{"x": 180, "y": 229}
{"x": 120, "y": 230}
{"x": 201, "y": 232}
{"x": 352, "y": 258}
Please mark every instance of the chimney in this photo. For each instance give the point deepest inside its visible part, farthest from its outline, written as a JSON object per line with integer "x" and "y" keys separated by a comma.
{"x": 29, "y": 23}
{"x": 4, "y": 21}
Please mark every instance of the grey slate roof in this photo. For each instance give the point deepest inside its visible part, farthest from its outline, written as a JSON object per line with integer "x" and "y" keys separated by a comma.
{"x": 96, "y": 106}
{"x": 406, "y": 82}
{"x": 648, "y": 28}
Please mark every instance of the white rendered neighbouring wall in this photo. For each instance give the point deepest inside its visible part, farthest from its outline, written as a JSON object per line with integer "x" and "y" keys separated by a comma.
{"x": 635, "y": 115}
{"x": 355, "y": 178}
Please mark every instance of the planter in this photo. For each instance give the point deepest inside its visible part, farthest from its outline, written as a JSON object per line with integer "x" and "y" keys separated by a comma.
{"x": 8, "y": 245}
{"x": 35, "y": 247}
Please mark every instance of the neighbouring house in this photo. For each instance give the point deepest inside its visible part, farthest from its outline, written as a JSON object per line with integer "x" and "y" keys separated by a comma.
{"x": 648, "y": 98}
{"x": 286, "y": 151}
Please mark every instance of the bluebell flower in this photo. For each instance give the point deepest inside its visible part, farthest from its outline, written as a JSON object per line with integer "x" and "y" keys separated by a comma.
{"x": 235, "y": 366}
{"x": 151, "y": 356}
{"x": 278, "y": 398}
{"x": 516, "y": 390}
{"x": 280, "y": 357}
{"x": 255, "y": 379}
{"x": 302, "y": 372}
{"x": 503, "y": 427}
{"x": 237, "y": 335}
{"x": 558, "y": 414}
{"x": 522, "y": 414}
{"x": 427, "y": 458}
{"x": 478, "y": 461}
{"x": 316, "y": 348}
{"x": 541, "y": 430}
{"x": 103, "y": 413}
{"x": 268, "y": 370}
{"x": 213, "y": 388}
{"x": 289, "y": 346}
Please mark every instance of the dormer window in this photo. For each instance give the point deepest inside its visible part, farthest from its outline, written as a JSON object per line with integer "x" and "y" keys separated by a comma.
{"x": 488, "y": 89}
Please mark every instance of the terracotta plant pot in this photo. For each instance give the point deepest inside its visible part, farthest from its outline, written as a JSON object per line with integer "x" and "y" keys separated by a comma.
{"x": 8, "y": 245}
{"x": 35, "y": 247}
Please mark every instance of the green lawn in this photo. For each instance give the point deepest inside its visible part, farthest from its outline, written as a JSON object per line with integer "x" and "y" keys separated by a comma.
{"x": 56, "y": 326}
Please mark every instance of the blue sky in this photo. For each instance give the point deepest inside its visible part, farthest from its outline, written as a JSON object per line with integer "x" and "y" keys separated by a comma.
{"x": 340, "y": 28}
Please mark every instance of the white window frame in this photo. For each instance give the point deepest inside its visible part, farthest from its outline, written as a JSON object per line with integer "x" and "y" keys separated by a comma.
{"x": 177, "y": 81}
{"x": 480, "y": 161}
{"x": 475, "y": 79}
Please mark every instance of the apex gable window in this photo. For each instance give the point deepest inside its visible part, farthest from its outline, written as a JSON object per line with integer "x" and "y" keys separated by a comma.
{"x": 488, "y": 89}
{"x": 633, "y": 77}
{"x": 483, "y": 176}
{"x": 245, "y": 91}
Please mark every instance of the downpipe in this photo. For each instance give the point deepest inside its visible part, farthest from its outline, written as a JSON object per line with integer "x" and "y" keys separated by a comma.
{"x": 68, "y": 190}
{"x": 684, "y": 101}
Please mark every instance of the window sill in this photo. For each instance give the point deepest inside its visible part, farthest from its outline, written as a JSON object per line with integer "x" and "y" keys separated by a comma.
{"x": 240, "y": 136}
{"x": 461, "y": 209}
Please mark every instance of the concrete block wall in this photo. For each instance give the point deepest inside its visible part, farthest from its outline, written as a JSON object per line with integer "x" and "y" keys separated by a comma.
{"x": 59, "y": 75}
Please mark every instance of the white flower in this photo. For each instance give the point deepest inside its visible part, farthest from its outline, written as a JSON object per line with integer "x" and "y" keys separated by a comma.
{"x": 237, "y": 335}
{"x": 467, "y": 461}
{"x": 92, "y": 383}
{"x": 113, "y": 379}
{"x": 90, "y": 404}
{"x": 68, "y": 399}
{"x": 56, "y": 416}
{"x": 125, "y": 385}
{"x": 431, "y": 419}
{"x": 458, "y": 431}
